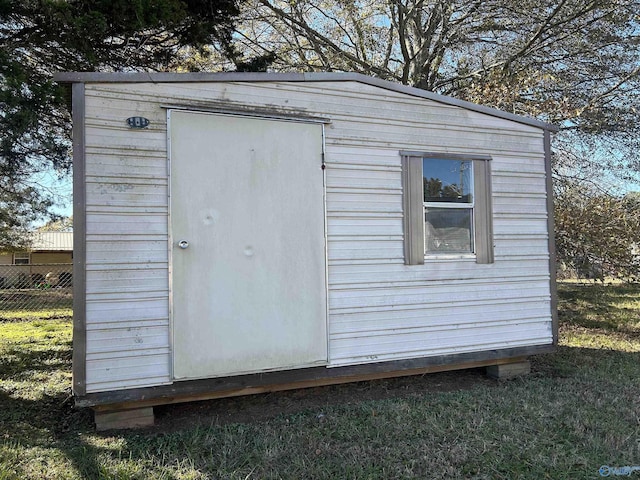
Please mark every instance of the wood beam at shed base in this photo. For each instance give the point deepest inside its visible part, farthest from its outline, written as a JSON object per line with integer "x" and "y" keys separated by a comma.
{"x": 278, "y": 387}
{"x": 139, "y": 413}
{"x": 510, "y": 370}
{"x": 135, "y": 399}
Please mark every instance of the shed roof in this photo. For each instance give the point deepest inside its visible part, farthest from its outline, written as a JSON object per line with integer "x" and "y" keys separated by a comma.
{"x": 59, "y": 241}
{"x": 153, "y": 77}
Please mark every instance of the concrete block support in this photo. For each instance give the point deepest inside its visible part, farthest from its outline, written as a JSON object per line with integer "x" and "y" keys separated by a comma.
{"x": 119, "y": 419}
{"x": 509, "y": 370}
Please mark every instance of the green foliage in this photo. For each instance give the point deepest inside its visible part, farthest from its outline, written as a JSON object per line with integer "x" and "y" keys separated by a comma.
{"x": 597, "y": 234}
{"x": 41, "y": 37}
{"x": 432, "y": 187}
{"x": 28, "y": 143}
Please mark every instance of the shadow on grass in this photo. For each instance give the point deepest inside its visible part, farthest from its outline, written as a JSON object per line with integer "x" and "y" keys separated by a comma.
{"x": 600, "y": 307}
{"x": 50, "y": 423}
{"x": 18, "y": 363}
{"x": 42, "y": 435}
{"x": 189, "y": 438}
{"x": 591, "y": 364}
{"x": 237, "y": 437}
{"x": 35, "y": 299}
{"x": 36, "y": 408}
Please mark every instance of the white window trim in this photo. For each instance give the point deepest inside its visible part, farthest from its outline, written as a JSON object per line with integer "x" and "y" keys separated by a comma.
{"x": 449, "y": 256}
{"x": 452, "y": 205}
{"x": 413, "y": 203}
{"x": 23, "y": 256}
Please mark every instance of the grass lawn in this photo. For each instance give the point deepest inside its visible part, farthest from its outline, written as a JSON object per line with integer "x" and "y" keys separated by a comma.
{"x": 32, "y": 304}
{"x": 578, "y": 410}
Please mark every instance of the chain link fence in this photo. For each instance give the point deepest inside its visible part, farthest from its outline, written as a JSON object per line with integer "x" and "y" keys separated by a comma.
{"x": 43, "y": 289}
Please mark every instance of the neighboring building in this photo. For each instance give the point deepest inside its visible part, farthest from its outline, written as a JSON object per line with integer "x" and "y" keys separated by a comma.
{"x": 50, "y": 253}
{"x": 244, "y": 233}
{"x": 45, "y": 248}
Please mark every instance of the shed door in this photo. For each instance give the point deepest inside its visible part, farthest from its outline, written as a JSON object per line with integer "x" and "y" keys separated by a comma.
{"x": 249, "y": 290}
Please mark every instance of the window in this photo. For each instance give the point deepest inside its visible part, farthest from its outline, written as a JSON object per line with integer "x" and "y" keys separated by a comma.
{"x": 21, "y": 259}
{"x": 447, "y": 207}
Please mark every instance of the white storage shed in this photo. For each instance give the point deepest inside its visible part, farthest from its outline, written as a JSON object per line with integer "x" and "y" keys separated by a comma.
{"x": 247, "y": 232}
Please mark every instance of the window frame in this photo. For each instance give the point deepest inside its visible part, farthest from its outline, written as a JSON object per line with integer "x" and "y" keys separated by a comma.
{"x": 413, "y": 208}
{"x": 23, "y": 256}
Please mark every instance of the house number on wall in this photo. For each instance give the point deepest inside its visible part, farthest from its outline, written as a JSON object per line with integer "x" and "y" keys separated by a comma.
{"x": 137, "y": 122}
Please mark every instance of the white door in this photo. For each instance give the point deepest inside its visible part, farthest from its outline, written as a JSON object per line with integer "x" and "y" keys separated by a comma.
{"x": 249, "y": 289}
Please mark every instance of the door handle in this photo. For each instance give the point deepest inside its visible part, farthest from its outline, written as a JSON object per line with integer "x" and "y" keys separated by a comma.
{"x": 183, "y": 244}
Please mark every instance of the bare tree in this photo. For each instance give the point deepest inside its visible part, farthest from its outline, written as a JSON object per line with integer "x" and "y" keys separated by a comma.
{"x": 574, "y": 63}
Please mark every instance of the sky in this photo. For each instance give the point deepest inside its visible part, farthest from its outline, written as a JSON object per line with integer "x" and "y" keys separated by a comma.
{"x": 448, "y": 171}
{"x": 60, "y": 188}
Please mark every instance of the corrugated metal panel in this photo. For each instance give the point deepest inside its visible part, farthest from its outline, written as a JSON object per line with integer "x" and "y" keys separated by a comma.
{"x": 144, "y": 306}
{"x": 52, "y": 241}
{"x": 132, "y": 338}
{"x": 439, "y": 293}
{"x": 443, "y": 317}
{"x": 121, "y": 251}
{"x": 112, "y": 372}
{"x": 126, "y": 259}
{"x": 394, "y": 346}
{"x": 328, "y": 79}
{"x": 134, "y": 221}
{"x": 393, "y": 275}
{"x": 379, "y": 308}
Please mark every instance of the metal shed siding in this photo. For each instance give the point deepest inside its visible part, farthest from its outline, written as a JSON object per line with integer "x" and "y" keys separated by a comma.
{"x": 127, "y": 306}
{"x": 380, "y": 309}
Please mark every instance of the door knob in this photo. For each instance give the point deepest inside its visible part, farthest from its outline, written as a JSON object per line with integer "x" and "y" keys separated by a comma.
{"x": 183, "y": 244}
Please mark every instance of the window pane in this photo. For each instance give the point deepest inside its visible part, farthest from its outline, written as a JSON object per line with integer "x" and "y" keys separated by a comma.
{"x": 21, "y": 259}
{"x": 448, "y": 230}
{"x": 447, "y": 180}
